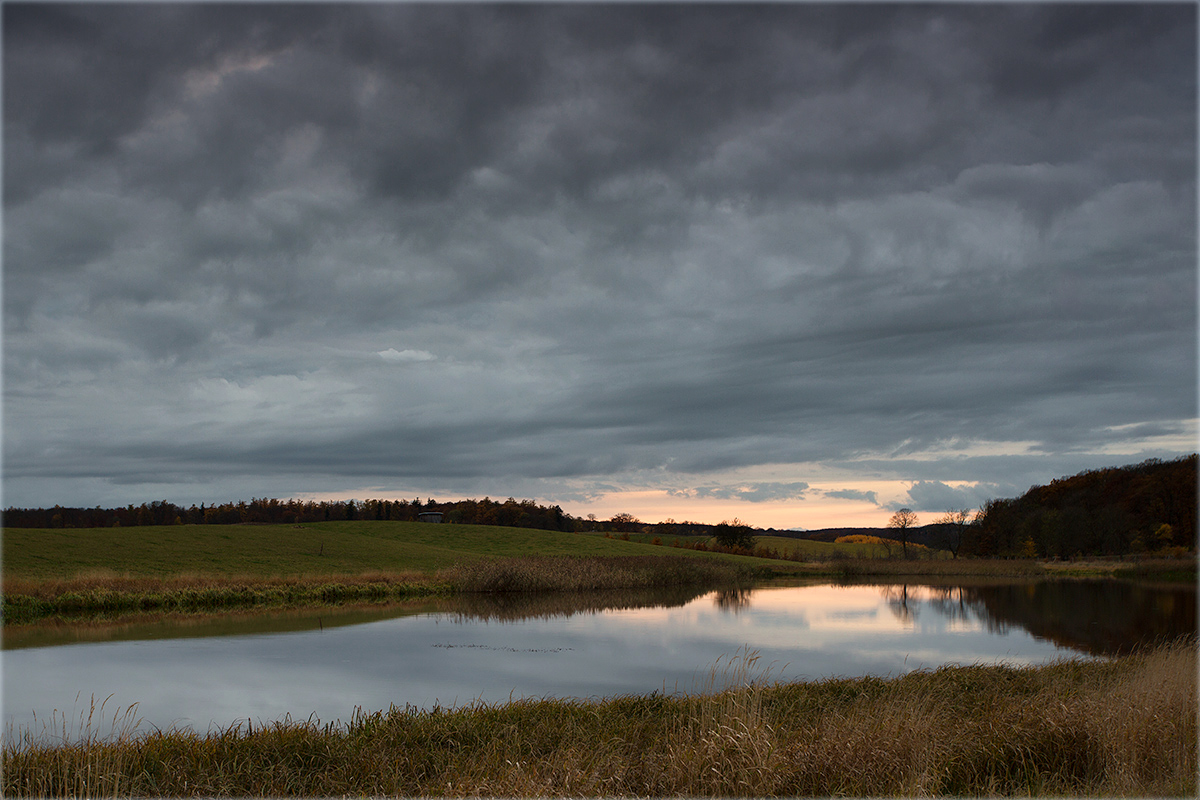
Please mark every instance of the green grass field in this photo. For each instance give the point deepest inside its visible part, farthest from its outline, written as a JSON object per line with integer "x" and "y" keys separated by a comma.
{"x": 89, "y": 573}
{"x": 313, "y": 549}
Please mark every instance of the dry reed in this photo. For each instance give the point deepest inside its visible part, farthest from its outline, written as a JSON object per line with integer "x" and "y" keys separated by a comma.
{"x": 847, "y": 567}
{"x": 592, "y": 573}
{"x": 106, "y": 595}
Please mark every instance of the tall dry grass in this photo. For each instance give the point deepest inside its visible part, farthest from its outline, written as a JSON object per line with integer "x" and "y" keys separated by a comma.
{"x": 105, "y": 580}
{"x": 90, "y": 749}
{"x": 104, "y": 594}
{"x": 847, "y": 567}
{"x": 107, "y": 594}
{"x": 1120, "y": 728}
{"x": 591, "y": 573}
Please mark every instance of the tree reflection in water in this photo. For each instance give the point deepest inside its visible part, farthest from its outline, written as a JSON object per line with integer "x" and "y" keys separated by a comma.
{"x": 734, "y": 600}
{"x": 897, "y": 600}
{"x": 951, "y": 603}
{"x": 515, "y": 606}
{"x": 1101, "y": 617}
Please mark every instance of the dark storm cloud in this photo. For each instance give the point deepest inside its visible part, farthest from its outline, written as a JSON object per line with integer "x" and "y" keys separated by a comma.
{"x": 455, "y": 242}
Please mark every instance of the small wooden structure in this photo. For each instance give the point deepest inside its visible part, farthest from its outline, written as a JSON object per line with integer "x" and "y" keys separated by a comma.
{"x": 429, "y": 516}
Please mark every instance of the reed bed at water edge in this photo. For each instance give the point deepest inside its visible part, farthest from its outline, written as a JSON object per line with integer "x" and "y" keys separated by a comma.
{"x": 102, "y": 595}
{"x": 106, "y": 595}
{"x": 926, "y": 567}
{"x": 574, "y": 573}
{"x": 1120, "y": 727}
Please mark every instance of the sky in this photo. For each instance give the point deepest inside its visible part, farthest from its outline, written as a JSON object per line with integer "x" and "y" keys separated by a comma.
{"x": 798, "y": 264}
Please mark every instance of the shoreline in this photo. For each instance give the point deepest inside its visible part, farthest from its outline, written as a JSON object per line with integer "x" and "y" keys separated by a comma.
{"x": 104, "y": 597}
{"x": 1120, "y": 726}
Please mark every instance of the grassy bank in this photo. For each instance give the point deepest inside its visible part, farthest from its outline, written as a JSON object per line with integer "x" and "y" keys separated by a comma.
{"x": 902, "y": 568}
{"x": 99, "y": 595}
{"x": 252, "y": 620}
{"x": 1171, "y": 569}
{"x": 89, "y": 573}
{"x": 1125, "y": 727}
{"x": 567, "y": 574}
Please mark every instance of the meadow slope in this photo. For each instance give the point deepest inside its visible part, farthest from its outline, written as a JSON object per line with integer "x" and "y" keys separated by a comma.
{"x": 311, "y": 549}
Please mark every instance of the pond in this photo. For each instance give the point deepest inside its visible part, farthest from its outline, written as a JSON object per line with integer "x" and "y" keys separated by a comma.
{"x": 214, "y": 672}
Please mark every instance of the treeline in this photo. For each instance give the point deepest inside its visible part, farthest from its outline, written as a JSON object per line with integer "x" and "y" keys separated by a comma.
{"x": 510, "y": 513}
{"x": 1140, "y": 508}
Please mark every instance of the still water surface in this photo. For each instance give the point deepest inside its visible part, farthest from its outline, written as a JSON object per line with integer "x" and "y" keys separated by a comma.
{"x": 326, "y": 663}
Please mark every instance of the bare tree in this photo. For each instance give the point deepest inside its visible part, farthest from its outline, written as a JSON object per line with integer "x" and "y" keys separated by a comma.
{"x": 901, "y": 521}
{"x": 734, "y": 533}
{"x": 959, "y": 518}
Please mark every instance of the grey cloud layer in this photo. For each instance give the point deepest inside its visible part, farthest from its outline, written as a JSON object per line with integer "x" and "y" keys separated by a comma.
{"x": 751, "y": 492}
{"x": 936, "y": 496}
{"x": 458, "y": 242}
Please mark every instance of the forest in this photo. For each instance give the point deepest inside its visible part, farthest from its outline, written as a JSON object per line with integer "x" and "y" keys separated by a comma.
{"x": 510, "y": 513}
{"x": 1139, "y": 508}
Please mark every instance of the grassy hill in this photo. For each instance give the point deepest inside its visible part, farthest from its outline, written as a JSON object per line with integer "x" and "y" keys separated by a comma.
{"x": 311, "y": 549}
